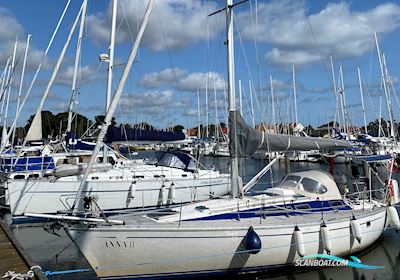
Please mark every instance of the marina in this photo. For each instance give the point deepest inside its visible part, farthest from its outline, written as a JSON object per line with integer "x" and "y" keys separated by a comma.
{"x": 56, "y": 252}
{"x": 114, "y": 186}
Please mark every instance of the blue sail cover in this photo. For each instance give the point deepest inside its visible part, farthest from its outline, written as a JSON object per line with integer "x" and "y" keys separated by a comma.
{"x": 120, "y": 134}
{"x": 74, "y": 142}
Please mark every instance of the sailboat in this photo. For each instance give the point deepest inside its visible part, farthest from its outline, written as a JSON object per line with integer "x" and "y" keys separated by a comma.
{"x": 305, "y": 215}
{"x": 114, "y": 183}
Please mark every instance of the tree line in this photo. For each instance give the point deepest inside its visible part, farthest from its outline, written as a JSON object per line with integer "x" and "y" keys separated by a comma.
{"x": 54, "y": 125}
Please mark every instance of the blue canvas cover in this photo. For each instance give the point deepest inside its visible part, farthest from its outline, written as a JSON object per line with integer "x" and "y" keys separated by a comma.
{"x": 73, "y": 142}
{"x": 121, "y": 134}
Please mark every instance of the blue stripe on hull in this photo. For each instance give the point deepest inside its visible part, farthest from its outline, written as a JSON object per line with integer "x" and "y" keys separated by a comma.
{"x": 292, "y": 210}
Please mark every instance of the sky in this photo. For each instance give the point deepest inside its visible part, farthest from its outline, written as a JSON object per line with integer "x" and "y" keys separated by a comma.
{"x": 183, "y": 53}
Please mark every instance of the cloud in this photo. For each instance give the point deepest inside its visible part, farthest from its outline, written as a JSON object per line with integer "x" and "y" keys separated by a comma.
{"x": 288, "y": 58}
{"x": 201, "y": 81}
{"x": 151, "y": 103}
{"x": 174, "y": 24}
{"x": 300, "y": 38}
{"x": 53, "y": 96}
{"x": 150, "y": 99}
{"x": 9, "y": 29}
{"x": 355, "y": 105}
{"x": 59, "y": 106}
{"x": 161, "y": 106}
{"x": 190, "y": 113}
{"x": 321, "y": 90}
{"x": 9, "y": 26}
{"x": 312, "y": 99}
{"x": 165, "y": 77}
{"x": 181, "y": 80}
{"x": 280, "y": 85}
{"x": 85, "y": 75}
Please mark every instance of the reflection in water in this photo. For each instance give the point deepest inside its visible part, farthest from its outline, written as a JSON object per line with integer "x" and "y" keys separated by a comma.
{"x": 57, "y": 253}
{"x": 384, "y": 253}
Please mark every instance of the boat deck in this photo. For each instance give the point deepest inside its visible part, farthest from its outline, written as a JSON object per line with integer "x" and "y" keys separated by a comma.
{"x": 158, "y": 219}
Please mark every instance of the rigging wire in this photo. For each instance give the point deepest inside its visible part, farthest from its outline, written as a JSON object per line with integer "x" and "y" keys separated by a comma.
{"x": 246, "y": 60}
{"x": 170, "y": 59}
{"x": 323, "y": 62}
{"x": 255, "y": 39}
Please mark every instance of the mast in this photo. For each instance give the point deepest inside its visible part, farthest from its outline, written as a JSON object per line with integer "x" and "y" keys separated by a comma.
{"x": 21, "y": 81}
{"x": 390, "y": 109}
{"x": 76, "y": 65}
{"x": 232, "y": 101}
{"x": 389, "y": 106}
{"x": 216, "y": 116}
{"x": 272, "y": 104}
{"x": 111, "y": 54}
{"x": 335, "y": 94}
{"x": 346, "y": 113}
{"x": 252, "y": 105}
{"x": 35, "y": 130}
{"x": 341, "y": 92}
{"x": 198, "y": 116}
{"x": 37, "y": 70}
{"x": 295, "y": 95}
{"x": 11, "y": 71}
{"x": 240, "y": 98}
{"x": 207, "y": 115}
{"x": 362, "y": 100}
{"x": 380, "y": 116}
{"x": 114, "y": 102}
{"x": 4, "y": 136}
{"x": 4, "y": 85}
{"x": 110, "y": 66}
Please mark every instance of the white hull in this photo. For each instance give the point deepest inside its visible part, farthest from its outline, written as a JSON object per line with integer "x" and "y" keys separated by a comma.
{"x": 46, "y": 196}
{"x": 136, "y": 251}
{"x": 306, "y": 156}
{"x": 264, "y": 155}
{"x": 342, "y": 159}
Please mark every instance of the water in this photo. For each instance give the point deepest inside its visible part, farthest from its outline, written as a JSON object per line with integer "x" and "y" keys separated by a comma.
{"x": 56, "y": 252}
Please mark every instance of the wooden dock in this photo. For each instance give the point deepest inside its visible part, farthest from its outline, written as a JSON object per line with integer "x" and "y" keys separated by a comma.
{"x": 12, "y": 255}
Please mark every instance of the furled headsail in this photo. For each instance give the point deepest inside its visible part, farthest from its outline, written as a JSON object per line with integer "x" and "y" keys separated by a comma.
{"x": 249, "y": 140}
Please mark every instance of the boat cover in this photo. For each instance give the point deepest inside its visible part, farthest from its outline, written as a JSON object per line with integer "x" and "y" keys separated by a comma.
{"x": 124, "y": 135}
{"x": 249, "y": 140}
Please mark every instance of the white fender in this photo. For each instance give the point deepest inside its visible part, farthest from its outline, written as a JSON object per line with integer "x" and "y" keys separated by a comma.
{"x": 298, "y": 238}
{"x": 131, "y": 193}
{"x": 325, "y": 238}
{"x": 356, "y": 229}
{"x": 393, "y": 192}
{"x": 162, "y": 196}
{"x": 132, "y": 189}
{"x": 171, "y": 194}
{"x": 393, "y": 217}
